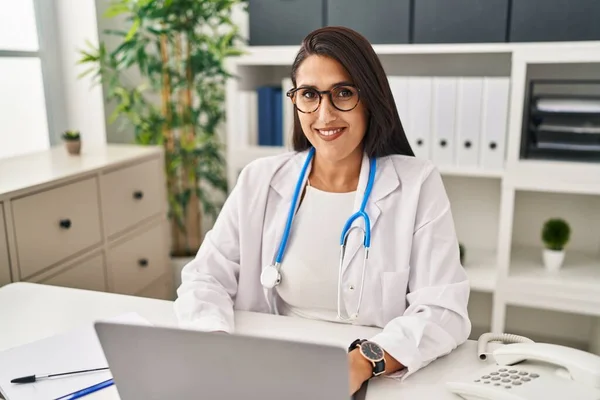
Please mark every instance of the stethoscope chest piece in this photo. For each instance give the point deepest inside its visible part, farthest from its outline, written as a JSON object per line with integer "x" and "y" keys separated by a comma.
{"x": 270, "y": 277}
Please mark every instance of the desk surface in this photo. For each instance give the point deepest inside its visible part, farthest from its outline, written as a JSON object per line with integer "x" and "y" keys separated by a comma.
{"x": 31, "y": 312}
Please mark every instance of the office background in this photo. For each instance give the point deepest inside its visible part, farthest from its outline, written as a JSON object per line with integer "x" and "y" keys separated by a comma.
{"x": 492, "y": 69}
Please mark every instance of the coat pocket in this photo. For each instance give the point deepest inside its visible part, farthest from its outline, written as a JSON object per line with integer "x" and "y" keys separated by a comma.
{"x": 394, "y": 289}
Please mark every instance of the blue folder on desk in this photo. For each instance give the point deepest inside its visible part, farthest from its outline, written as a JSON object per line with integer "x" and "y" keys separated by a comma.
{"x": 74, "y": 350}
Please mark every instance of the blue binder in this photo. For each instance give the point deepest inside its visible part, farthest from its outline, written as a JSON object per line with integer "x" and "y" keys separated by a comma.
{"x": 270, "y": 116}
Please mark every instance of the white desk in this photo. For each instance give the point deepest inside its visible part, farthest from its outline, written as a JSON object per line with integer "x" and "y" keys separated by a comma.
{"x": 29, "y": 312}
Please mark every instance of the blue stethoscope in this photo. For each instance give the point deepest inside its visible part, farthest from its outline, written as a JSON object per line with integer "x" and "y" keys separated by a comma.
{"x": 271, "y": 275}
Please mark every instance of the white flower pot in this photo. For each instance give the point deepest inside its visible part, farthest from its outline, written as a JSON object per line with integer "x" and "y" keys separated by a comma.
{"x": 553, "y": 259}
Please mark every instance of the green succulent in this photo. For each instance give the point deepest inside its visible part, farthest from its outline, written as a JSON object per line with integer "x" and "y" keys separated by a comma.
{"x": 556, "y": 234}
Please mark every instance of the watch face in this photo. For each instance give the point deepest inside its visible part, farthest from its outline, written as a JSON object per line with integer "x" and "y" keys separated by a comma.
{"x": 372, "y": 351}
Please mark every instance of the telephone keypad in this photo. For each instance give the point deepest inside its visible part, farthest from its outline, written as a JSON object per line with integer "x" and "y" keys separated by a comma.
{"x": 507, "y": 378}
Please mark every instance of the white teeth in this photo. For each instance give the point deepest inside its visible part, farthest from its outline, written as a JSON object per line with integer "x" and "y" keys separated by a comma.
{"x": 329, "y": 133}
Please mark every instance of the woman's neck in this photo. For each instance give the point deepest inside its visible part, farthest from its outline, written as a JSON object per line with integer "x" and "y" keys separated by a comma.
{"x": 336, "y": 176}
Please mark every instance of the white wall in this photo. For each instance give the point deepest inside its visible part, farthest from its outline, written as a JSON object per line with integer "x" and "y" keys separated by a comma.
{"x": 76, "y": 22}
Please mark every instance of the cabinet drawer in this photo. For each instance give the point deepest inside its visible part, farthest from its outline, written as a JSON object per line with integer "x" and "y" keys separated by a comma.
{"x": 132, "y": 194}
{"x": 4, "y": 261}
{"x": 380, "y": 21}
{"x": 89, "y": 274}
{"x": 137, "y": 262}
{"x": 554, "y": 20}
{"x": 56, "y": 223}
{"x": 460, "y": 21}
{"x": 160, "y": 289}
{"x": 283, "y": 22}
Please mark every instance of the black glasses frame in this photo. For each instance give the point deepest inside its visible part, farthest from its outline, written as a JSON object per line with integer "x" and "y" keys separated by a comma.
{"x": 290, "y": 93}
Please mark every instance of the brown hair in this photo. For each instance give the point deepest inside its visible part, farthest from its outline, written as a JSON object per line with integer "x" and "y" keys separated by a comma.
{"x": 353, "y": 51}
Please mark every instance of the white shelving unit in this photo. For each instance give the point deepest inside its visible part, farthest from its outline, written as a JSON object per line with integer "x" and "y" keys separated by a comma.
{"x": 498, "y": 213}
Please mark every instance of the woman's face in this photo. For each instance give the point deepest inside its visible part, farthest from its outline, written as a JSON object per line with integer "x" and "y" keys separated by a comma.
{"x": 335, "y": 134}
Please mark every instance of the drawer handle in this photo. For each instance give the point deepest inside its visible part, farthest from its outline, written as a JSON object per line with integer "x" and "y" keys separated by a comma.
{"x": 65, "y": 223}
{"x": 138, "y": 194}
{"x": 143, "y": 262}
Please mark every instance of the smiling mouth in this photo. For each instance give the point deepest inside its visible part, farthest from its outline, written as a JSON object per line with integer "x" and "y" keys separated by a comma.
{"x": 330, "y": 133}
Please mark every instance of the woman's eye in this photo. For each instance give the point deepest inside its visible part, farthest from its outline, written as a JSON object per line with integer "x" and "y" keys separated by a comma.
{"x": 308, "y": 94}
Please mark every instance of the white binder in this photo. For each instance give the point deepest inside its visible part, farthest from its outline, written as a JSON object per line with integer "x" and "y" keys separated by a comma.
{"x": 468, "y": 121}
{"x": 399, "y": 87}
{"x": 444, "y": 120}
{"x": 288, "y": 113}
{"x": 247, "y": 124}
{"x": 496, "y": 92}
{"x": 419, "y": 115}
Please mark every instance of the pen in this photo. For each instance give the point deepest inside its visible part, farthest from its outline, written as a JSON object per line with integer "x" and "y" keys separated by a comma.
{"x": 33, "y": 378}
{"x": 86, "y": 391}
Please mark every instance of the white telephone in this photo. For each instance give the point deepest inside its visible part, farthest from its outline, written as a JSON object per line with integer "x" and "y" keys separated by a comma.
{"x": 525, "y": 370}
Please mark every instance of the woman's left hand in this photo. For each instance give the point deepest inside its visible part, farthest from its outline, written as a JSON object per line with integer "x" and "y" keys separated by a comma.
{"x": 360, "y": 370}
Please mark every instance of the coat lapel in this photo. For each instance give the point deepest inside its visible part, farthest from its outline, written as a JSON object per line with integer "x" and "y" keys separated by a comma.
{"x": 386, "y": 181}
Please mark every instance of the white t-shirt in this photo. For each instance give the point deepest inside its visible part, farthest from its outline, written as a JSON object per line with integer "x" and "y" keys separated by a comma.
{"x": 310, "y": 265}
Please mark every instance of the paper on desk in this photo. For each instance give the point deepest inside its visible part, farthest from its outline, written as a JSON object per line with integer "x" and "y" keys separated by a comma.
{"x": 74, "y": 350}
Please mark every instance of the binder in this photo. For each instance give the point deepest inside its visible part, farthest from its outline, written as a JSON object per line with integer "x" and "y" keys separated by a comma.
{"x": 444, "y": 120}
{"x": 248, "y": 121}
{"x": 496, "y": 91}
{"x": 288, "y": 113}
{"x": 399, "y": 88}
{"x": 468, "y": 121}
{"x": 265, "y": 116}
{"x": 270, "y": 116}
{"x": 419, "y": 115}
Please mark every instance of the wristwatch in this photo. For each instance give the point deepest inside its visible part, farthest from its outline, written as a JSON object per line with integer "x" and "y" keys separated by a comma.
{"x": 372, "y": 352}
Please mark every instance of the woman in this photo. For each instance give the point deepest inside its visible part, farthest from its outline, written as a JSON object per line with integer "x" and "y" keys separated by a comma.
{"x": 346, "y": 131}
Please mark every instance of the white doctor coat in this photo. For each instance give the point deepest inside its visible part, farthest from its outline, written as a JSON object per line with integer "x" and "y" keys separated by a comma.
{"x": 415, "y": 287}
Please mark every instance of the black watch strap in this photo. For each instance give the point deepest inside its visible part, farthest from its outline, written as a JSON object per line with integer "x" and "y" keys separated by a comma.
{"x": 379, "y": 367}
{"x": 355, "y": 344}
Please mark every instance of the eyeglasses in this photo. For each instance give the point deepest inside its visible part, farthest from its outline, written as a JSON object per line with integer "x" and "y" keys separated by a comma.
{"x": 308, "y": 100}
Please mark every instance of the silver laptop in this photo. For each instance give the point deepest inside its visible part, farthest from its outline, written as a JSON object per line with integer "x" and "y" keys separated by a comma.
{"x": 166, "y": 363}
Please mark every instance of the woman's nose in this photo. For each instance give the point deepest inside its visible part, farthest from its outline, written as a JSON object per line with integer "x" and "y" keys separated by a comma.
{"x": 327, "y": 111}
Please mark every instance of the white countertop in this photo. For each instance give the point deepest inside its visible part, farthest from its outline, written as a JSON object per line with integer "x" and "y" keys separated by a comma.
{"x": 30, "y": 312}
{"x": 36, "y": 169}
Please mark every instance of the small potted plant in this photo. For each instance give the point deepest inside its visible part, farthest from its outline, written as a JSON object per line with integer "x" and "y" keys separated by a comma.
{"x": 72, "y": 141}
{"x": 555, "y": 236}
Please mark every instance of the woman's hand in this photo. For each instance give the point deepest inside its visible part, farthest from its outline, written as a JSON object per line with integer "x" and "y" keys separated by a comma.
{"x": 360, "y": 370}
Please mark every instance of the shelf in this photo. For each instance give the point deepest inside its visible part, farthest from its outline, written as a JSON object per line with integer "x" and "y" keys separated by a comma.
{"x": 554, "y": 176}
{"x": 575, "y": 288}
{"x": 480, "y": 266}
{"x": 471, "y": 172}
{"x": 240, "y": 156}
{"x": 284, "y": 55}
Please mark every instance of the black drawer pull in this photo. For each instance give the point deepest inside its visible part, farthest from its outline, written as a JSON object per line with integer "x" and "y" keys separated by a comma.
{"x": 138, "y": 194}
{"x": 493, "y": 145}
{"x": 443, "y": 143}
{"x": 468, "y": 144}
{"x": 143, "y": 262}
{"x": 419, "y": 142}
{"x": 65, "y": 223}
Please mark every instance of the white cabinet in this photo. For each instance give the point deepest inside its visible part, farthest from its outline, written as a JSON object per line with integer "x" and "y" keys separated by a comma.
{"x": 97, "y": 221}
{"x": 4, "y": 261}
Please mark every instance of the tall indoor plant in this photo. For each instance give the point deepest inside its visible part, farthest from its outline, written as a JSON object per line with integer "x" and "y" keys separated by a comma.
{"x": 179, "y": 48}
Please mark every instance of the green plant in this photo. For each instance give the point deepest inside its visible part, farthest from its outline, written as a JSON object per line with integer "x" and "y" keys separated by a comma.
{"x": 179, "y": 48}
{"x": 70, "y": 135}
{"x": 556, "y": 233}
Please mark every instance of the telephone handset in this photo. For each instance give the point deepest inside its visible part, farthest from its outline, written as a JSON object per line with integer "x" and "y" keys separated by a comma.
{"x": 525, "y": 370}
